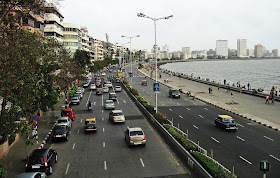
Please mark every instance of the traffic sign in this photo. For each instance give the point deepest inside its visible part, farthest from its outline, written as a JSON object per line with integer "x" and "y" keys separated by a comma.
{"x": 130, "y": 74}
{"x": 36, "y": 118}
{"x": 156, "y": 87}
{"x": 264, "y": 165}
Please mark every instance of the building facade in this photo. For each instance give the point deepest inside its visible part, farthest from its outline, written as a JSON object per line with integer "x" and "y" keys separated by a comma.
{"x": 222, "y": 48}
{"x": 242, "y": 48}
{"x": 250, "y": 52}
{"x": 275, "y": 52}
{"x": 258, "y": 51}
{"x": 186, "y": 52}
{"x": 72, "y": 39}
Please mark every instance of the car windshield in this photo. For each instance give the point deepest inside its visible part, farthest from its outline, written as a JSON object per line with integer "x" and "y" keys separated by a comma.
{"x": 76, "y": 95}
{"x": 117, "y": 114}
{"x": 136, "y": 133}
{"x": 59, "y": 130}
{"x": 90, "y": 122}
{"x": 62, "y": 121}
{"x": 175, "y": 91}
{"x": 229, "y": 120}
{"x": 112, "y": 95}
{"x": 67, "y": 112}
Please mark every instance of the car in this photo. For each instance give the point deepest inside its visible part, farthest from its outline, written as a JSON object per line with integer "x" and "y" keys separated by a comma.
{"x": 174, "y": 93}
{"x": 110, "y": 70}
{"x": 135, "y": 136}
{"x": 86, "y": 84}
{"x": 64, "y": 121}
{"x": 112, "y": 96}
{"x": 90, "y": 125}
{"x": 92, "y": 86}
{"x": 116, "y": 116}
{"x": 105, "y": 80}
{"x": 105, "y": 89}
{"x": 75, "y": 100}
{"x": 98, "y": 80}
{"x": 111, "y": 80}
{"x": 41, "y": 160}
{"x": 144, "y": 82}
{"x": 77, "y": 95}
{"x": 98, "y": 84}
{"x": 108, "y": 84}
{"x": 103, "y": 74}
{"x": 225, "y": 122}
{"x": 69, "y": 112}
{"x": 118, "y": 89}
{"x": 60, "y": 132}
{"x": 118, "y": 80}
{"x": 99, "y": 91}
{"x": 32, "y": 175}
{"x": 109, "y": 104}
{"x": 80, "y": 92}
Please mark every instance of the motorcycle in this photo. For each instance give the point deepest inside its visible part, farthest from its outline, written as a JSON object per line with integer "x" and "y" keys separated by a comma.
{"x": 89, "y": 107}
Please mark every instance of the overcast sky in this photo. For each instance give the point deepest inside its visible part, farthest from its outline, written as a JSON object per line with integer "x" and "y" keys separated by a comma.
{"x": 196, "y": 23}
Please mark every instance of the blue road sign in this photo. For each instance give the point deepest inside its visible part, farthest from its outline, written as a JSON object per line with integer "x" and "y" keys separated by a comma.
{"x": 156, "y": 87}
{"x": 123, "y": 70}
{"x": 130, "y": 74}
{"x": 36, "y": 118}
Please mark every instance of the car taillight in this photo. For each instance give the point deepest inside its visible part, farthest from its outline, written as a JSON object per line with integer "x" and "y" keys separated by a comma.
{"x": 130, "y": 138}
{"x": 45, "y": 161}
{"x": 113, "y": 105}
{"x": 105, "y": 104}
{"x": 27, "y": 162}
{"x": 64, "y": 135}
{"x": 54, "y": 135}
{"x": 144, "y": 138}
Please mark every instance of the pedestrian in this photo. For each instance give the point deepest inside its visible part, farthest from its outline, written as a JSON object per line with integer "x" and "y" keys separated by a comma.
{"x": 225, "y": 81}
{"x": 272, "y": 94}
{"x": 209, "y": 90}
{"x": 248, "y": 86}
{"x": 267, "y": 99}
{"x": 34, "y": 133}
{"x": 276, "y": 91}
{"x": 219, "y": 85}
{"x": 62, "y": 112}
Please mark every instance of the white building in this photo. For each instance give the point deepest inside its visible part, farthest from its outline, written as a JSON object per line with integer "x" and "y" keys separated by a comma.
{"x": 258, "y": 51}
{"x": 222, "y": 48}
{"x": 250, "y": 52}
{"x": 186, "y": 52}
{"x": 242, "y": 48}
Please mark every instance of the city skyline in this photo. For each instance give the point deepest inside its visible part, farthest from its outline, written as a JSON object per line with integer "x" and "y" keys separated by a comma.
{"x": 196, "y": 24}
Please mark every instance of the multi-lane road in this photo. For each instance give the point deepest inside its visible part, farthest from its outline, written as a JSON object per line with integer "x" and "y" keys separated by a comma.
{"x": 105, "y": 153}
{"x": 240, "y": 151}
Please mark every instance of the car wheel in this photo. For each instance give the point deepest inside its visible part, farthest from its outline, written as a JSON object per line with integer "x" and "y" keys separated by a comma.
{"x": 55, "y": 158}
{"x": 50, "y": 171}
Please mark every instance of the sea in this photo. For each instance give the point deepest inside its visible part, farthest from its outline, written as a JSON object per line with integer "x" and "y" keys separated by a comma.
{"x": 259, "y": 73}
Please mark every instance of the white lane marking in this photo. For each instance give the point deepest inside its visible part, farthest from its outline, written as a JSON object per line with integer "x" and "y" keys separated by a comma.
{"x": 206, "y": 109}
{"x": 195, "y": 126}
{"x": 170, "y": 109}
{"x": 245, "y": 160}
{"x": 94, "y": 103}
{"x": 105, "y": 165}
{"x": 188, "y": 109}
{"x": 163, "y": 95}
{"x": 194, "y": 103}
{"x": 170, "y": 99}
{"x": 81, "y": 120}
{"x": 103, "y": 144}
{"x": 78, "y": 131}
{"x": 124, "y": 101}
{"x": 274, "y": 157}
{"x": 102, "y": 118}
{"x": 200, "y": 115}
{"x": 118, "y": 101}
{"x": 103, "y": 129}
{"x": 240, "y": 138}
{"x": 215, "y": 140}
{"x": 102, "y": 111}
{"x": 162, "y": 104}
{"x": 88, "y": 98}
{"x": 67, "y": 168}
{"x": 142, "y": 162}
{"x": 268, "y": 138}
{"x": 178, "y": 103}
{"x": 73, "y": 146}
{"x": 181, "y": 116}
{"x": 240, "y": 125}
{"x": 102, "y": 100}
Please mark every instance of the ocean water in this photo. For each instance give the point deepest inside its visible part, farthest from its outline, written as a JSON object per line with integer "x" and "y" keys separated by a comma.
{"x": 260, "y": 73}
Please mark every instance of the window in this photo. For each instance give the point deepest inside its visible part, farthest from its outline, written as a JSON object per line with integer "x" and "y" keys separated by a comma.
{"x": 136, "y": 133}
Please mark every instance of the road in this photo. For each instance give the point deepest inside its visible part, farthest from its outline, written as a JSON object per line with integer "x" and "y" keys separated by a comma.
{"x": 105, "y": 153}
{"x": 240, "y": 151}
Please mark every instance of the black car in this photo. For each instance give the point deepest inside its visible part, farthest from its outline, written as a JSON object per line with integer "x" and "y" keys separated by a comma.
{"x": 225, "y": 122}
{"x": 41, "y": 160}
{"x": 61, "y": 133}
{"x": 174, "y": 93}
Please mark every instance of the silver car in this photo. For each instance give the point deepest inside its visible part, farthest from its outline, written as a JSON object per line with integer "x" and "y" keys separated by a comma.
{"x": 109, "y": 104}
{"x": 64, "y": 121}
{"x": 105, "y": 89}
{"x": 135, "y": 136}
{"x": 116, "y": 116}
{"x": 118, "y": 88}
{"x": 75, "y": 100}
{"x": 32, "y": 175}
{"x": 92, "y": 86}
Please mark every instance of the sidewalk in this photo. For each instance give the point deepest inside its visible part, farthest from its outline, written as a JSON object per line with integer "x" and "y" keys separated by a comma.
{"x": 16, "y": 157}
{"x": 248, "y": 106}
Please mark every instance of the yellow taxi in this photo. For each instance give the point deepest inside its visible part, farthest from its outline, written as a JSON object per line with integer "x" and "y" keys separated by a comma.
{"x": 112, "y": 96}
{"x": 90, "y": 125}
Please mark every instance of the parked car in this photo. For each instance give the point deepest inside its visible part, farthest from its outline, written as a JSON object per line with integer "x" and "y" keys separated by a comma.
{"x": 86, "y": 84}
{"x": 112, "y": 96}
{"x": 77, "y": 95}
{"x": 109, "y": 104}
{"x": 75, "y": 100}
{"x": 135, "y": 136}
{"x": 103, "y": 74}
{"x": 108, "y": 84}
{"x": 92, "y": 86}
{"x": 69, "y": 113}
{"x": 174, "y": 93}
{"x": 81, "y": 89}
{"x": 116, "y": 116}
{"x": 118, "y": 89}
{"x": 99, "y": 91}
{"x": 32, "y": 175}
{"x": 64, "y": 121}
{"x": 90, "y": 125}
{"x": 80, "y": 93}
{"x": 105, "y": 89}
{"x": 60, "y": 133}
{"x": 225, "y": 122}
{"x": 41, "y": 160}
{"x": 144, "y": 82}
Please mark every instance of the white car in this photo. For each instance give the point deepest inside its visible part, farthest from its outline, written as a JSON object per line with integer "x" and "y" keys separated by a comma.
{"x": 135, "y": 136}
{"x": 116, "y": 116}
{"x": 64, "y": 121}
{"x": 92, "y": 86}
{"x": 108, "y": 84}
{"x": 105, "y": 89}
{"x": 118, "y": 88}
{"x": 103, "y": 74}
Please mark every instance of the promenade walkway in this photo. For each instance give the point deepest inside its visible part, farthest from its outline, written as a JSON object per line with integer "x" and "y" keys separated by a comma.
{"x": 246, "y": 105}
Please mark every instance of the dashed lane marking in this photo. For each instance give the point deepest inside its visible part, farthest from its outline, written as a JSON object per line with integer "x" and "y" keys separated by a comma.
{"x": 124, "y": 101}
{"x": 142, "y": 162}
{"x": 200, "y": 116}
{"x": 102, "y": 111}
{"x": 215, "y": 140}
{"x": 188, "y": 109}
{"x": 73, "y": 146}
{"x": 194, "y": 103}
{"x": 206, "y": 109}
{"x": 103, "y": 129}
{"x": 245, "y": 160}
{"x": 78, "y": 131}
{"x": 67, "y": 168}
{"x": 240, "y": 125}
{"x": 103, "y": 144}
{"x": 178, "y": 104}
{"x": 240, "y": 138}
{"x": 181, "y": 116}
{"x": 105, "y": 165}
{"x": 94, "y": 103}
{"x": 268, "y": 138}
{"x": 170, "y": 109}
{"x": 274, "y": 157}
{"x": 195, "y": 126}
{"x": 81, "y": 120}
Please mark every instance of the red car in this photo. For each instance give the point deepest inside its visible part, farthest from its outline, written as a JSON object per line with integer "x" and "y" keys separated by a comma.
{"x": 69, "y": 113}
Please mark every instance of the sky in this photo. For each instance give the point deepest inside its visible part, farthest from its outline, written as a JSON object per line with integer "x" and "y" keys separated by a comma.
{"x": 196, "y": 23}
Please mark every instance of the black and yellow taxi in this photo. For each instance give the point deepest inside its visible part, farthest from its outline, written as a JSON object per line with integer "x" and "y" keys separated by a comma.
{"x": 112, "y": 96}
{"x": 225, "y": 122}
{"x": 90, "y": 125}
{"x": 99, "y": 91}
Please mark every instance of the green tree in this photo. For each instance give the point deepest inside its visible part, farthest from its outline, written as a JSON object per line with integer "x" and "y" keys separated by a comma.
{"x": 82, "y": 58}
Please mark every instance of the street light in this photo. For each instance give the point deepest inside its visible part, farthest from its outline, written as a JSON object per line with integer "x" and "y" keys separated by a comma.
{"x": 122, "y": 56}
{"x": 155, "y": 46}
{"x": 130, "y": 59}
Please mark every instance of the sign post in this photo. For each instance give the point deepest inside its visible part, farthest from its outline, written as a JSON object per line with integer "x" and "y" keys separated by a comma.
{"x": 156, "y": 87}
{"x": 36, "y": 118}
{"x": 264, "y": 166}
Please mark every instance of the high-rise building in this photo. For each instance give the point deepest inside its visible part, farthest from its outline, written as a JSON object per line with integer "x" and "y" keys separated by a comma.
{"x": 258, "y": 51}
{"x": 275, "y": 52}
{"x": 242, "y": 48}
{"x": 186, "y": 52}
{"x": 211, "y": 53}
{"x": 222, "y": 48}
{"x": 250, "y": 52}
{"x": 72, "y": 39}
{"x": 85, "y": 39}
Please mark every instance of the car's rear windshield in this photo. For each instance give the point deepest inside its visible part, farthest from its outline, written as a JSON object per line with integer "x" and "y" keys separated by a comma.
{"x": 112, "y": 95}
{"x": 136, "y": 133}
{"x": 76, "y": 95}
{"x": 117, "y": 114}
{"x": 36, "y": 160}
{"x": 62, "y": 121}
{"x": 59, "y": 130}
{"x": 109, "y": 102}
{"x": 67, "y": 112}
{"x": 175, "y": 91}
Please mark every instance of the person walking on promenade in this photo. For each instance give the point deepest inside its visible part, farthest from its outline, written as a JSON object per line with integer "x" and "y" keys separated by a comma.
{"x": 225, "y": 81}
{"x": 272, "y": 94}
{"x": 267, "y": 99}
{"x": 248, "y": 86}
{"x": 219, "y": 85}
{"x": 276, "y": 91}
{"x": 209, "y": 90}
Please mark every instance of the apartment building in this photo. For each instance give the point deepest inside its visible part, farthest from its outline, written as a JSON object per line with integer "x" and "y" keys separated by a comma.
{"x": 85, "y": 39}
{"x": 186, "y": 52}
{"x": 53, "y": 23}
{"x": 98, "y": 50}
{"x": 72, "y": 37}
{"x": 275, "y": 52}
{"x": 241, "y": 48}
{"x": 258, "y": 51}
{"x": 222, "y": 48}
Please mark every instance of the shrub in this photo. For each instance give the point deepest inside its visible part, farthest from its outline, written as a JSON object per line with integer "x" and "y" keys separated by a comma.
{"x": 73, "y": 90}
{"x": 11, "y": 138}
{"x": 161, "y": 118}
{"x": 134, "y": 91}
{"x": 125, "y": 82}
{"x": 3, "y": 169}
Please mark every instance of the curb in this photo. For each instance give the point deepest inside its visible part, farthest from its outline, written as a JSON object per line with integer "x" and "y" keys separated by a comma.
{"x": 245, "y": 117}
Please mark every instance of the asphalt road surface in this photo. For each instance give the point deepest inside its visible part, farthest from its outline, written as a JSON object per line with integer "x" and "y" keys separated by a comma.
{"x": 240, "y": 151}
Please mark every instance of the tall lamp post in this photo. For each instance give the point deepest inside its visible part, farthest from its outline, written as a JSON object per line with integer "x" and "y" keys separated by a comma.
{"x": 130, "y": 59}
{"x": 122, "y": 54}
{"x": 155, "y": 46}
